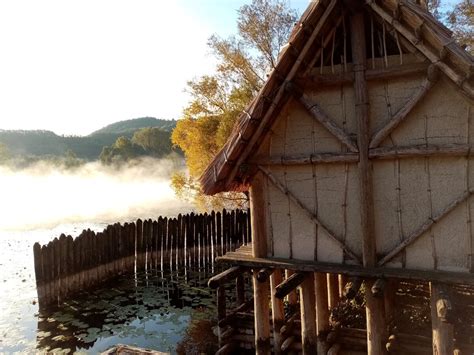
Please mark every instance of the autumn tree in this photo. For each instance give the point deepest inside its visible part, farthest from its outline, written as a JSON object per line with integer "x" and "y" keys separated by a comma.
{"x": 216, "y": 100}
{"x": 461, "y": 21}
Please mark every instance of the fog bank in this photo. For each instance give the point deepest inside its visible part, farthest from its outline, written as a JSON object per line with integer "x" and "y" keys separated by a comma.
{"x": 43, "y": 196}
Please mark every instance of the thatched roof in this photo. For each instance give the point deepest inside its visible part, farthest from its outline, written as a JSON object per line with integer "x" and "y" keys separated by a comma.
{"x": 414, "y": 24}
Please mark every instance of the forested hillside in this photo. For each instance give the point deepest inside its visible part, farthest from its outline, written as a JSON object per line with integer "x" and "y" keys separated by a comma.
{"x": 47, "y": 144}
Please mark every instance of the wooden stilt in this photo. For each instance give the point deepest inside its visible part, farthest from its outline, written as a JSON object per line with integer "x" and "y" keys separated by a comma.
{"x": 443, "y": 330}
{"x": 308, "y": 315}
{"x": 259, "y": 249}
{"x": 292, "y": 296}
{"x": 278, "y": 313}
{"x": 375, "y": 314}
{"x": 322, "y": 311}
{"x": 333, "y": 290}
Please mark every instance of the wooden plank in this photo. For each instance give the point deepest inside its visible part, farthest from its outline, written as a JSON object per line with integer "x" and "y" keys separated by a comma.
{"x": 333, "y": 290}
{"x": 289, "y": 284}
{"x": 349, "y": 270}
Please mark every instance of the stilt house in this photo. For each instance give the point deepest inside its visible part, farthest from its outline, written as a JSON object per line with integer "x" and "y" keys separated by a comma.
{"x": 357, "y": 156}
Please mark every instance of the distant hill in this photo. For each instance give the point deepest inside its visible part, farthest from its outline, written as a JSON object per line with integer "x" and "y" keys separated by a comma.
{"x": 42, "y": 143}
{"x": 130, "y": 126}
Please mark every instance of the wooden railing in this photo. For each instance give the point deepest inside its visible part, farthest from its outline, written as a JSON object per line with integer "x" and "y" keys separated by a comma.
{"x": 68, "y": 264}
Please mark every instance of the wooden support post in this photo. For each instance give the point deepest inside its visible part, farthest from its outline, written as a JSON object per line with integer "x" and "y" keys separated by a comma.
{"x": 333, "y": 290}
{"x": 374, "y": 306}
{"x": 376, "y": 324}
{"x": 278, "y": 313}
{"x": 443, "y": 330}
{"x": 389, "y": 300}
{"x": 308, "y": 315}
{"x": 322, "y": 311}
{"x": 259, "y": 249}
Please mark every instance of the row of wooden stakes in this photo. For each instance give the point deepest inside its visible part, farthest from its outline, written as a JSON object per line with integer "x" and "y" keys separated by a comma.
{"x": 66, "y": 264}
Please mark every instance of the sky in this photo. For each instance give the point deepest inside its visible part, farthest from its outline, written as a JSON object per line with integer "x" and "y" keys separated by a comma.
{"x": 75, "y": 66}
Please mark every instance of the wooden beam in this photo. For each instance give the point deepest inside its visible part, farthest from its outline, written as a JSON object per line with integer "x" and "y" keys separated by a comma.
{"x": 308, "y": 315}
{"x": 309, "y": 213}
{"x": 281, "y": 91}
{"x": 422, "y": 150}
{"x": 320, "y": 116}
{"x": 315, "y": 80}
{"x": 349, "y": 270}
{"x": 289, "y": 284}
{"x": 225, "y": 276}
{"x": 316, "y": 158}
{"x": 465, "y": 86}
{"x": 374, "y": 307}
{"x": 259, "y": 249}
{"x": 401, "y": 114}
{"x": 424, "y": 227}
{"x": 397, "y": 152}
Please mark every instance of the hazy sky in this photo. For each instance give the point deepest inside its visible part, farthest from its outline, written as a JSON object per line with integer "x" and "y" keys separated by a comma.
{"x": 74, "y": 66}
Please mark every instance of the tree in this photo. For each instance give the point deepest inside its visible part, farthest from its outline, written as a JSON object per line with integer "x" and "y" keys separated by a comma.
{"x": 123, "y": 150}
{"x": 217, "y": 100}
{"x": 461, "y": 21}
{"x": 153, "y": 140}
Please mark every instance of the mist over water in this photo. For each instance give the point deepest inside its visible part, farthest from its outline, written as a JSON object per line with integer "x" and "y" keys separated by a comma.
{"x": 44, "y": 196}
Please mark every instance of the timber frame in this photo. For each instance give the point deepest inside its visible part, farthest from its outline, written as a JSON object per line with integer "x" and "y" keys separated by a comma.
{"x": 411, "y": 44}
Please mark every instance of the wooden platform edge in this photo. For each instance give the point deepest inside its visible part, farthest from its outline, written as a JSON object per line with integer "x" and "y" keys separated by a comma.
{"x": 447, "y": 277}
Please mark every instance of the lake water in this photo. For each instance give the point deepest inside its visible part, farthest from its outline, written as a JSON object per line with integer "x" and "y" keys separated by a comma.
{"x": 154, "y": 309}
{"x": 160, "y": 310}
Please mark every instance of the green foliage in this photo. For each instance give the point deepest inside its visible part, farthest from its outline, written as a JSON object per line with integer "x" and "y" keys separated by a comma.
{"x": 121, "y": 151}
{"x": 153, "y": 140}
{"x": 217, "y": 100}
{"x": 27, "y": 147}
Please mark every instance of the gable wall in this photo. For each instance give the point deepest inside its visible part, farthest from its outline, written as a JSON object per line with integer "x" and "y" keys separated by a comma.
{"x": 406, "y": 191}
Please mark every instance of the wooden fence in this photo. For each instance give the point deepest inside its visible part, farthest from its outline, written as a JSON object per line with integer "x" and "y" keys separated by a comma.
{"x": 68, "y": 264}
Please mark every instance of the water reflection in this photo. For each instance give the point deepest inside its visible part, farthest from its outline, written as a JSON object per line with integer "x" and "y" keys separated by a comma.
{"x": 150, "y": 309}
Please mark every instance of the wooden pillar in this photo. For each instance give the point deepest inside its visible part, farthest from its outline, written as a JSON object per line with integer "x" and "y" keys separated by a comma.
{"x": 374, "y": 306}
{"x": 259, "y": 249}
{"x": 443, "y": 330}
{"x": 278, "y": 313}
{"x": 322, "y": 311}
{"x": 333, "y": 290}
{"x": 308, "y": 315}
